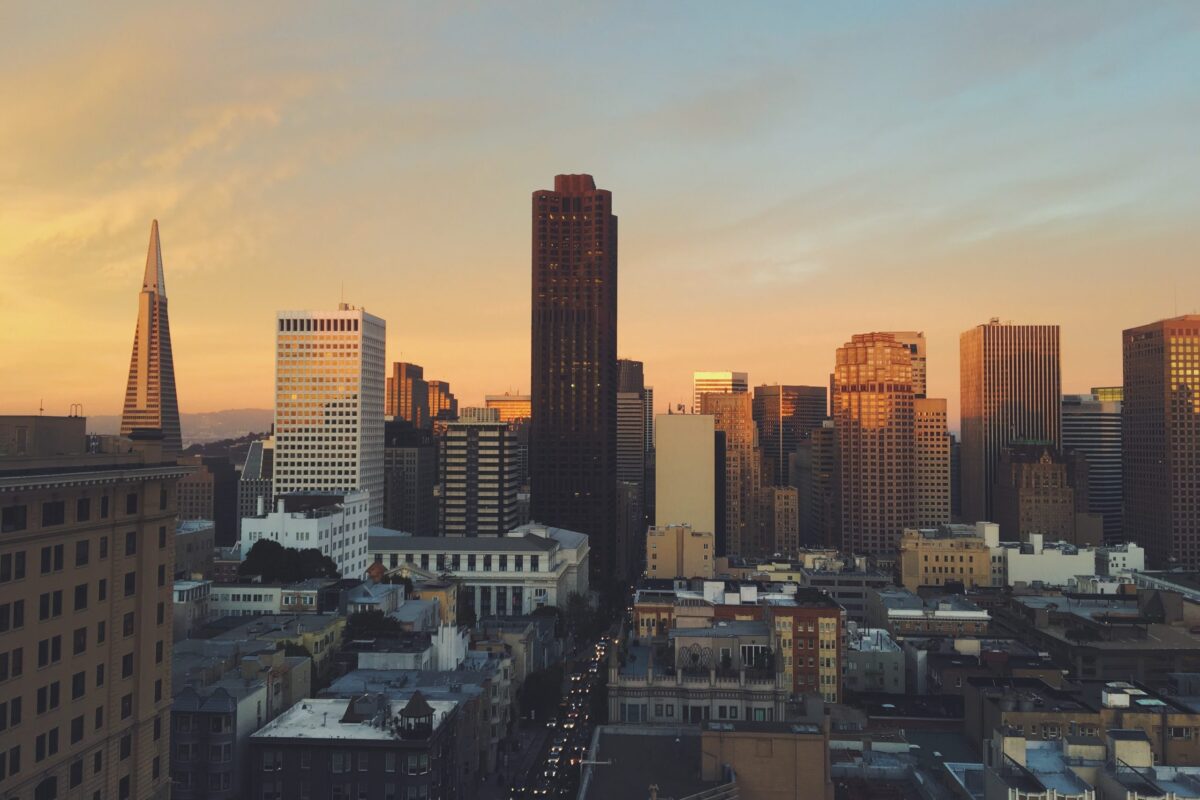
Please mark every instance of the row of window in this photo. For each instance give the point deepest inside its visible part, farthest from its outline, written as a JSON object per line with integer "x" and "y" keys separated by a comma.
{"x": 54, "y": 512}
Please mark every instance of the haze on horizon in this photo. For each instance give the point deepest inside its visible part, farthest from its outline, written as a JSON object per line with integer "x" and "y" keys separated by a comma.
{"x": 784, "y": 178}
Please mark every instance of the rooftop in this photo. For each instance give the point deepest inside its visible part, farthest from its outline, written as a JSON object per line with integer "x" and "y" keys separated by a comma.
{"x": 643, "y": 755}
{"x": 723, "y": 629}
{"x": 322, "y": 719}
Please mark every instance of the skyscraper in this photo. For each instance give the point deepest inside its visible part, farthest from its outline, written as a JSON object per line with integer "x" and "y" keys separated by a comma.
{"x": 409, "y": 477}
{"x": 1011, "y": 390}
{"x": 443, "y": 404}
{"x": 329, "y": 393}
{"x": 815, "y": 475}
{"x": 873, "y": 414}
{"x": 785, "y": 415}
{"x": 255, "y": 479}
{"x": 732, "y": 415}
{"x": 574, "y": 364}
{"x": 408, "y": 394}
{"x": 1160, "y": 440}
{"x": 931, "y": 462}
{"x": 1093, "y": 427}
{"x": 915, "y": 342}
{"x": 717, "y": 382}
{"x": 150, "y": 400}
{"x": 478, "y": 467}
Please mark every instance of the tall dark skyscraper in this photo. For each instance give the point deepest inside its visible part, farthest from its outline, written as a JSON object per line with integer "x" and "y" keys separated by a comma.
{"x": 1160, "y": 433}
{"x": 785, "y": 415}
{"x": 573, "y": 440}
{"x": 1011, "y": 391}
{"x": 150, "y": 400}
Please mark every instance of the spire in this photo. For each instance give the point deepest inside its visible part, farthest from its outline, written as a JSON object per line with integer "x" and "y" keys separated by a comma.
{"x": 153, "y": 280}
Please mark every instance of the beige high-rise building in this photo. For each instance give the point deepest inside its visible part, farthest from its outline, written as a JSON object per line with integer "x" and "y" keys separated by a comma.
{"x": 915, "y": 342}
{"x": 329, "y": 397}
{"x": 86, "y": 563}
{"x": 733, "y": 417}
{"x": 1160, "y": 440}
{"x": 932, "y": 462}
{"x": 1011, "y": 391}
{"x": 873, "y": 414}
{"x": 716, "y": 383}
{"x": 677, "y": 551}
{"x": 685, "y": 478}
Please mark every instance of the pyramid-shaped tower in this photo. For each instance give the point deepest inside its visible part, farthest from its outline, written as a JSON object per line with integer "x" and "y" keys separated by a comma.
{"x": 150, "y": 400}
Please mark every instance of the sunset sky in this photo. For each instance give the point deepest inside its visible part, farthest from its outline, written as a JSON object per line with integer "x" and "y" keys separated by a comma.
{"x": 783, "y": 178}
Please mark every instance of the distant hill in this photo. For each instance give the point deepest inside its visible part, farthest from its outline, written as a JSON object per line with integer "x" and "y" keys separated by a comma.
{"x": 200, "y": 428}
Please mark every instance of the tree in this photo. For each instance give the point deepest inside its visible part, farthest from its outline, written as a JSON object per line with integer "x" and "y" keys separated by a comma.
{"x": 275, "y": 563}
{"x": 541, "y": 692}
{"x": 551, "y": 611}
{"x": 370, "y": 625}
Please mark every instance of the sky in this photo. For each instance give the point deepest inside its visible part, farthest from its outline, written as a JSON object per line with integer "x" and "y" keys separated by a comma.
{"x": 786, "y": 175}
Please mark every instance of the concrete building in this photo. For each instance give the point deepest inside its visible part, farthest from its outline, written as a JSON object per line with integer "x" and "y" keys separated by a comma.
{"x": 1039, "y": 489}
{"x": 815, "y": 474}
{"x": 256, "y": 480}
{"x": 685, "y": 476}
{"x": 873, "y": 661}
{"x": 780, "y": 512}
{"x": 716, "y": 383}
{"x": 337, "y": 525}
{"x": 873, "y": 411}
{"x": 529, "y": 567}
{"x": 948, "y": 554}
{"x": 677, "y": 551}
{"x": 901, "y": 612}
{"x": 85, "y": 626}
{"x": 329, "y": 394}
{"x": 210, "y": 492}
{"x": 323, "y": 748}
{"x": 407, "y": 395}
{"x": 195, "y": 543}
{"x": 1160, "y": 440}
{"x": 150, "y": 400}
{"x": 573, "y": 440}
{"x": 931, "y": 462}
{"x": 723, "y": 672}
{"x": 410, "y": 476}
{"x": 1060, "y": 563}
{"x": 1092, "y": 428}
{"x": 1010, "y": 391}
{"x": 512, "y": 407}
{"x": 478, "y": 468}
{"x": 849, "y": 588}
{"x": 246, "y": 600}
{"x": 1121, "y": 636}
{"x": 745, "y": 533}
{"x": 191, "y": 608}
{"x": 211, "y": 726}
{"x": 784, "y": 416}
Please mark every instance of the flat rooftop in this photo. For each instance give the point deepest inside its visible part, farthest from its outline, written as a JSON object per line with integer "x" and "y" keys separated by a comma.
{"x": 322, "y": 719}
{"x": 643, "y": 755}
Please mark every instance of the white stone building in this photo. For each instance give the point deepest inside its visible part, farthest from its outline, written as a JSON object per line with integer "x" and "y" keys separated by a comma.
{"x": 530, "y": 566}
{"x": 336, "y": 525}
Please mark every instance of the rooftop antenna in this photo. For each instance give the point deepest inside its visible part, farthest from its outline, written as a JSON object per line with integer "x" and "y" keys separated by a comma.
{"x": 41, "y": 406}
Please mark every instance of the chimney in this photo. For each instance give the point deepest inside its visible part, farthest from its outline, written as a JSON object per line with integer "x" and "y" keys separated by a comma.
{"x": 279, "y": 505}
{"x": 260, "y": 506}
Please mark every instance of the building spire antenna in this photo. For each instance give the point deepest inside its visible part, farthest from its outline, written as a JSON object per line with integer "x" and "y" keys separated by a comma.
{"x": 153, "y": 280}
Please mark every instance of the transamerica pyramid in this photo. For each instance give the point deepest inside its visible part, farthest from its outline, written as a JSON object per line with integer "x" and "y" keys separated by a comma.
{"x": 150, "y": 400}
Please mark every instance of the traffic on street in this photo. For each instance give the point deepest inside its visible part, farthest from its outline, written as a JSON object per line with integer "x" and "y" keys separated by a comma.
{"x": 556, "y": 771}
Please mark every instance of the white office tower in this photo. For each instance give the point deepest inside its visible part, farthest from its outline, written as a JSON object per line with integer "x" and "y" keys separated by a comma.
{"x": 329, "y": 389}
{"x": 478, "y": 467}
{"x": 717, "y": 383}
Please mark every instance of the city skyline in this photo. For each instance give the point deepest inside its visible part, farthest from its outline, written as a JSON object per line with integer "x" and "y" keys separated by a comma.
{"x": 1083, "y": 184}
